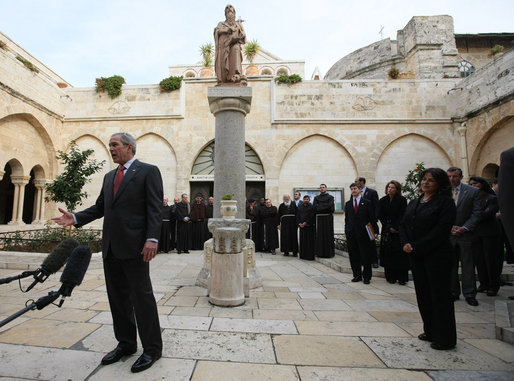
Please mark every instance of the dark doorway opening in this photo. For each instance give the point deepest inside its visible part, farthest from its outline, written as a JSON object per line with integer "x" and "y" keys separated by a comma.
{"x": 28, "y": 200}
{"x": 6, "y": 196}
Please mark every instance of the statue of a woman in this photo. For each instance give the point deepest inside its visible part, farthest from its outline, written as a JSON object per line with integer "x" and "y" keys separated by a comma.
{"x": 229, "y": 37}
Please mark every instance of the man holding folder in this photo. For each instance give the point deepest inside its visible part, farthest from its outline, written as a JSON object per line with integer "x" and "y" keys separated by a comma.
{"x": 360, "y": 229}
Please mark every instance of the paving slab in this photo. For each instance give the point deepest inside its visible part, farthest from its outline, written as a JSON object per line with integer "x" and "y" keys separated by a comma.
{"x": 324, "y": 351}
{"x": 47, "y": 333}
{"x": 411, "y": 353}
{"x": 309, "y": 373}
{"x": 324, "y": 305}
{"x": 36, "y": 363}
{"x": 349, "y": 328}
{"x": 254, "y": 325}
{"x": 218, "y": 346}
{"x": 284, "y": 315}
{"x": 211, "y": 370}
{"x": 463, "y": 375}
{"x": 344, "y": 316}
{"x": 382, "y": 305}
{"x": 494, "y": 347}
{"x": 163, "y": 369}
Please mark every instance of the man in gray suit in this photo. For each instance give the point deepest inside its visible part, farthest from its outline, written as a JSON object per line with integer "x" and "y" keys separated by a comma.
{"x": 469, "y": 210}
{"x": 130, "y": 202}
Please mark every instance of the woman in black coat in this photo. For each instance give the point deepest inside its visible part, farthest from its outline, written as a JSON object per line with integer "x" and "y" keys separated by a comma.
{"x": 391, "y": 208}
{"x": 487, "y": 232}
{"x": 425, "y": 236}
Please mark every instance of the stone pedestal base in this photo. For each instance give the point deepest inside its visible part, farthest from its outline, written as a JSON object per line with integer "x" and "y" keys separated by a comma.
{"x": 227, "y": 280}
{"x": 252, "y": 278}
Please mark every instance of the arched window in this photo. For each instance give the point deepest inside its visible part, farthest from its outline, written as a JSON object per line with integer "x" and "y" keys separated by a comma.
{"x": 282, "y": 71}
{"x": 204, "y": 164}
{"x": 266, "y": 72}
{"x": 190, "y": 74}
{"x": 466, "y": 68}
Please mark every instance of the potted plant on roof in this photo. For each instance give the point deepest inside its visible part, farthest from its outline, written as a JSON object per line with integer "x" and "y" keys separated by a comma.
{"x": 228, "y": 207}
{"x": 251, "y": 50}
{"x": 207, "y": 51}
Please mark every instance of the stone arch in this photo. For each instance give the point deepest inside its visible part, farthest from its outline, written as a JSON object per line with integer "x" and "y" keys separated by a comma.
{"x": 154, "y": 149}
{"x": 39, "y": 172}
{"x": 282, "y": 70}
{"x": 496, "y": 140}
{"x": 490, "y": 172}
{"x": 28, "y": 158}
{"x": 16, "y": 167}
{"x": 100, "y": 153}
{"x": 308, "y": 156}
{"x": 402, "y": 154}
{"x": 266, "y": 70}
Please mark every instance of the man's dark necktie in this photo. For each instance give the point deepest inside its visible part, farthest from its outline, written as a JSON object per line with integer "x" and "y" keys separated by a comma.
{"x": 117, "y": 180}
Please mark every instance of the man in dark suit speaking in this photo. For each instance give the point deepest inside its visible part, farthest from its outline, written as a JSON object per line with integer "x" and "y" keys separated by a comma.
{"x": 130, "y": 202}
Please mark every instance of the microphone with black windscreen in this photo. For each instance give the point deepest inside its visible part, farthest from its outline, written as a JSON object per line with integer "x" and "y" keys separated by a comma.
{"x": 72, "y": 276}
{"x": 75, "y": 269}
{"x": 52, "y": 263}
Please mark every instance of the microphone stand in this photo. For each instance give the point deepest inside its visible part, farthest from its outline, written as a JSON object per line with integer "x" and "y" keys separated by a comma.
{"x": 24, "y": 274}
{"x": 38, "y": 304}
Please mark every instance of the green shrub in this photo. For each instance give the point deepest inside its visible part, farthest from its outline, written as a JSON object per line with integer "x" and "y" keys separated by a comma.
{"x": 111, "y": 85}
{"x": 171, "y": 83}
{"x": 291, "y": 79}
{"x": 497, "y": 49}
{"x": 227, "y": 196}
{"x": 27, "y": 64}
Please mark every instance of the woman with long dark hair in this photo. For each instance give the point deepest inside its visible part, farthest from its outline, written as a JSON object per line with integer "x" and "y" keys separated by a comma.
{"x": 487, "y": 232}
{"x": 425, "y": 236}
{"x": 391, "y": 208}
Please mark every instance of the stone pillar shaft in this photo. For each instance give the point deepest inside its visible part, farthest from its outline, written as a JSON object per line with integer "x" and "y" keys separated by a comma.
{"x": 462, "y": 129}
{"x": 230, "y": 106}
{"x": 19, "y": 183}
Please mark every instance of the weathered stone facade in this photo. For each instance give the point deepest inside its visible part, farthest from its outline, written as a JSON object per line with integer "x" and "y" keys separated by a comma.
{"x": 303, "y": 134}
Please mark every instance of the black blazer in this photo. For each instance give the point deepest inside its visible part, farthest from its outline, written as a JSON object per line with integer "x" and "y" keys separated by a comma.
{"x": 488, "y": 225}
{"x": 355, "y": 224}
{"x": 131, "y": 217}
{"x": 506, "y": 192}
{"x": 390, "y": 212}
{"x": 427, "y": 227}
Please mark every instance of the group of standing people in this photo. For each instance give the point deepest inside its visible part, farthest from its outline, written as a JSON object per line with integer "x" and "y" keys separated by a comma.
{"x": 184, "y": 224}
{"x": 305, "y": 228}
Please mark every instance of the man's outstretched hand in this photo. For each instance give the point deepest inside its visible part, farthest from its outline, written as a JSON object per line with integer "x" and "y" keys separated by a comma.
{"x": 65, "y": 220}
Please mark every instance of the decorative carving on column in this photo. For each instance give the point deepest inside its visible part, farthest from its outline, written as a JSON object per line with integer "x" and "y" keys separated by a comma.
{"x": 19, "y": 183}
{"x": 462, "y": 129}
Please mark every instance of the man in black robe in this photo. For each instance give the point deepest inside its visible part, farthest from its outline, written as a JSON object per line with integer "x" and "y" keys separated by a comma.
{"x": 305, "y": 221}
{"x": 251, "y": 214}
{"x": 288, "y": 227}
{"x": 173, "y": 224}
{"x": 183, "y": 212}
{"x": 269, "y": 217}
{"x": 324, "y": 208}
{"x": 198, "y": 222}
{"x": 259, "y": 228}
{"x": 209, "y": 213}
{"x": 165, "y": 239}
{"x": 298, "y": 199}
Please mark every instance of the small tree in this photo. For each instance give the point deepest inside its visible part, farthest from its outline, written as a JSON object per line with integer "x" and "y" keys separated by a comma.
{"x": 412, "y": 186}
{"x": 207, "y": 51}
{"x": 251, "y": 49}
{"x": 67, "y": 186}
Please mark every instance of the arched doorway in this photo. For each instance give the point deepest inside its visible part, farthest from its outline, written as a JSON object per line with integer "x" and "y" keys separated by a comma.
{"x": 202, "y": 174}
{"x": 28, "y": 200}
{"x": 6, "y": 196}
{"x": 490, "y": 172}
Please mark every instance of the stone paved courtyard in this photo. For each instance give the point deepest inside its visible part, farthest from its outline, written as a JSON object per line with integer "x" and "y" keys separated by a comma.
{"x": 307, "y": 322}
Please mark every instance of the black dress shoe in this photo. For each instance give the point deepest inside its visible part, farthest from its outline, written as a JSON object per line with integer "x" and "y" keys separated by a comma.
{"x": 295, "y": 254}
{"x": 441, "y": 347}
{"x": 402, "y": 283}
{"x": 357, "y": 279}
{"x": 472, "y": 301}
{"x": 286, "y": 254}
{"x": 481, "y": 289}
{"x": 144, "y": 362}
{"x": 423, "y": 336}
{"x": 492, "y": 293}
{"x": 365, "y": 281}
{"x": 116, "y": 355}
{"x": 186, "y": 251}
{"x": 375, "y": 265}
{"x": 455, "y": 298}
{"x": 178, "y": 252}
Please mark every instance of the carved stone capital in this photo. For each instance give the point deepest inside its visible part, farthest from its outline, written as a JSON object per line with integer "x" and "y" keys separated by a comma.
{"x": 20, "y": 180}
{"x": 228, "y": 235}
{"x": 229, "y": 99}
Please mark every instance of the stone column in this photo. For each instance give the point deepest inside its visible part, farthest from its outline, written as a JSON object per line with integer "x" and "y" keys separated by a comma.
{"x": 39, "y": 206}
{"x": 230, "y": 106}
{"x": 462, "y": 129}
{"x": 19, "y": 183}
